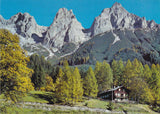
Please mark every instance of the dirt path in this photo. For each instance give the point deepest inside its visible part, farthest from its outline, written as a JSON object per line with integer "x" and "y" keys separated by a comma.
{"x": 49, "y": 107}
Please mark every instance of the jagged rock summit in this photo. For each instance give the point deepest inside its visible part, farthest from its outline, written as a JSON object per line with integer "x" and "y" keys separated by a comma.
{"x": 117, "y": 17}
{"x": 65, "y": 28}
{"x": 24, "y": 25}
{"x": 66, "y": 34}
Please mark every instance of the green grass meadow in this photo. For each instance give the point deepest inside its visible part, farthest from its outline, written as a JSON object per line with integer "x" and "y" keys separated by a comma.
{"x": 45, "y": 97}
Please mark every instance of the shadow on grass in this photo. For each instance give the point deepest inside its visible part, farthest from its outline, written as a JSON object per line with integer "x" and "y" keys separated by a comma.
{"x": 50, "y": 97}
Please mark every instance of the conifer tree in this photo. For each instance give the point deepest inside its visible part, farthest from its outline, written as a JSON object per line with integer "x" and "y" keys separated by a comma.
{"x": 127, "y": 74}
{"x": 90, "y": 84}
{"x": 68, "y": 78}
{"x": 137, "y": 69}
{"x": 98, "y": 74}
{"x": 155, "y": 83}
{"x": 69, "y": 84}
{"x": 97, "y": 70}
{"x": 107, "y": 77}
{"x": 54, "y": 73}
{"x": 78, "y": 86}
{"x": 140, "y": 90}
{"x": 121, "y": 71}
{"x": 38, "y": 77}
{"x": 115, "y": 70}
{"x": 118, "y": 70}
{"x": 59, "y": 86}
{"x": 135, "y": 78}
{"x": 36, "y": 60}
{"x": 41, "y": 74}
{"x": 147, "y": 74}
{"x": 49, "y": 84}
{"x": 64, "y": 84}
{"x": 104, "y": 76}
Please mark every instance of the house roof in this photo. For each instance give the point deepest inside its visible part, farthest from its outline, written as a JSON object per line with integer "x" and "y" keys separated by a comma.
{"x": 113, "y": 89}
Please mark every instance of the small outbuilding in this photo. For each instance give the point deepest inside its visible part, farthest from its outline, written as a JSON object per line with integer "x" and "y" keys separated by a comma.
{"x": 117, "y": 94}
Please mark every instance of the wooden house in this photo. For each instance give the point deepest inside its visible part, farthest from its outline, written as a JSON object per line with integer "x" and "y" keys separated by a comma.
{"x": 117, "y": 94}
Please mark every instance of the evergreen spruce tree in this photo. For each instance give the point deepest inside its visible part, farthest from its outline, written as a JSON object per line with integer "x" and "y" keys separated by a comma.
{"x": 35, "y": 59}
{"x": 38, "y": 77}
{"x": 54, "y": 73}
{"x": 41, "y": 75}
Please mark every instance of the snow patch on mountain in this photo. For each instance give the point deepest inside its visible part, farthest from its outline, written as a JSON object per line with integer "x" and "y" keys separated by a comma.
{"x": 116, "y": 38}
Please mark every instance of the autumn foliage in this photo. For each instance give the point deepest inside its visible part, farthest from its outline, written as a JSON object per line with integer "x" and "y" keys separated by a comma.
{"x": 15, "y": 76}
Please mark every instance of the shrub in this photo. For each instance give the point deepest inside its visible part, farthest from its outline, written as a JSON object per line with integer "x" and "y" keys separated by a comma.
{"x": 110, "y": 106}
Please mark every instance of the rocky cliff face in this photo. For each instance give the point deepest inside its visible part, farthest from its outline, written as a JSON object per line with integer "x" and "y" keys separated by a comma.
{"x": 65, "y": 28}
{"x": 117, "y": 17}
{"x": 24, "y": 25}
{"x": 66, "y": 33}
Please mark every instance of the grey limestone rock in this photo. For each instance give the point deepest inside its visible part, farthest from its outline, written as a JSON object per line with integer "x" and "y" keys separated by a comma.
{"x": 117, "y": 17}
{"x": 65, "y": 28}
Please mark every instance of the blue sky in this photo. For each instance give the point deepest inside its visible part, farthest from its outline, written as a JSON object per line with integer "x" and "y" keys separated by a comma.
{"x": 85, "y": 11}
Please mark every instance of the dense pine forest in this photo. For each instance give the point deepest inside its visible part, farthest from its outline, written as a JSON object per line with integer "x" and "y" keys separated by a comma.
{"x": 20, "y": 73}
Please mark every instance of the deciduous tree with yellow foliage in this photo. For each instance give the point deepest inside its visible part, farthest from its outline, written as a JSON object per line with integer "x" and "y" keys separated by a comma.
{"x": 14, "y": 73}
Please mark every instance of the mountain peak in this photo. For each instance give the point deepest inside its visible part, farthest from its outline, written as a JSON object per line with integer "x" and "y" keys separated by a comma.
{"x": 63, "y": 13}
{"x": 65, "y": 28}
{"x": 118, "y": 17}
{"x": 116, "y": 5}
{"x": 22, "y": 17}
{"x": 64, "y": 10}
{"x": 118, "y": 8}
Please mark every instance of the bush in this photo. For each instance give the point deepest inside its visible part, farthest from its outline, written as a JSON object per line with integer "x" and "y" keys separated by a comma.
{"x": 110, "y": 106}
{"x": 4, "y": 107}
{"x": 156, "y": 109}
{"x": 86, "y": 104}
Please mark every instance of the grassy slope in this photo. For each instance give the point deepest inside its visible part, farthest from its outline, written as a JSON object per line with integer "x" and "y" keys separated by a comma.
{"x": 34, "y": 96}
{"x": 129, "y": 108}
{"x": 15, "y": 110}
{"x": 43, "y": 97}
